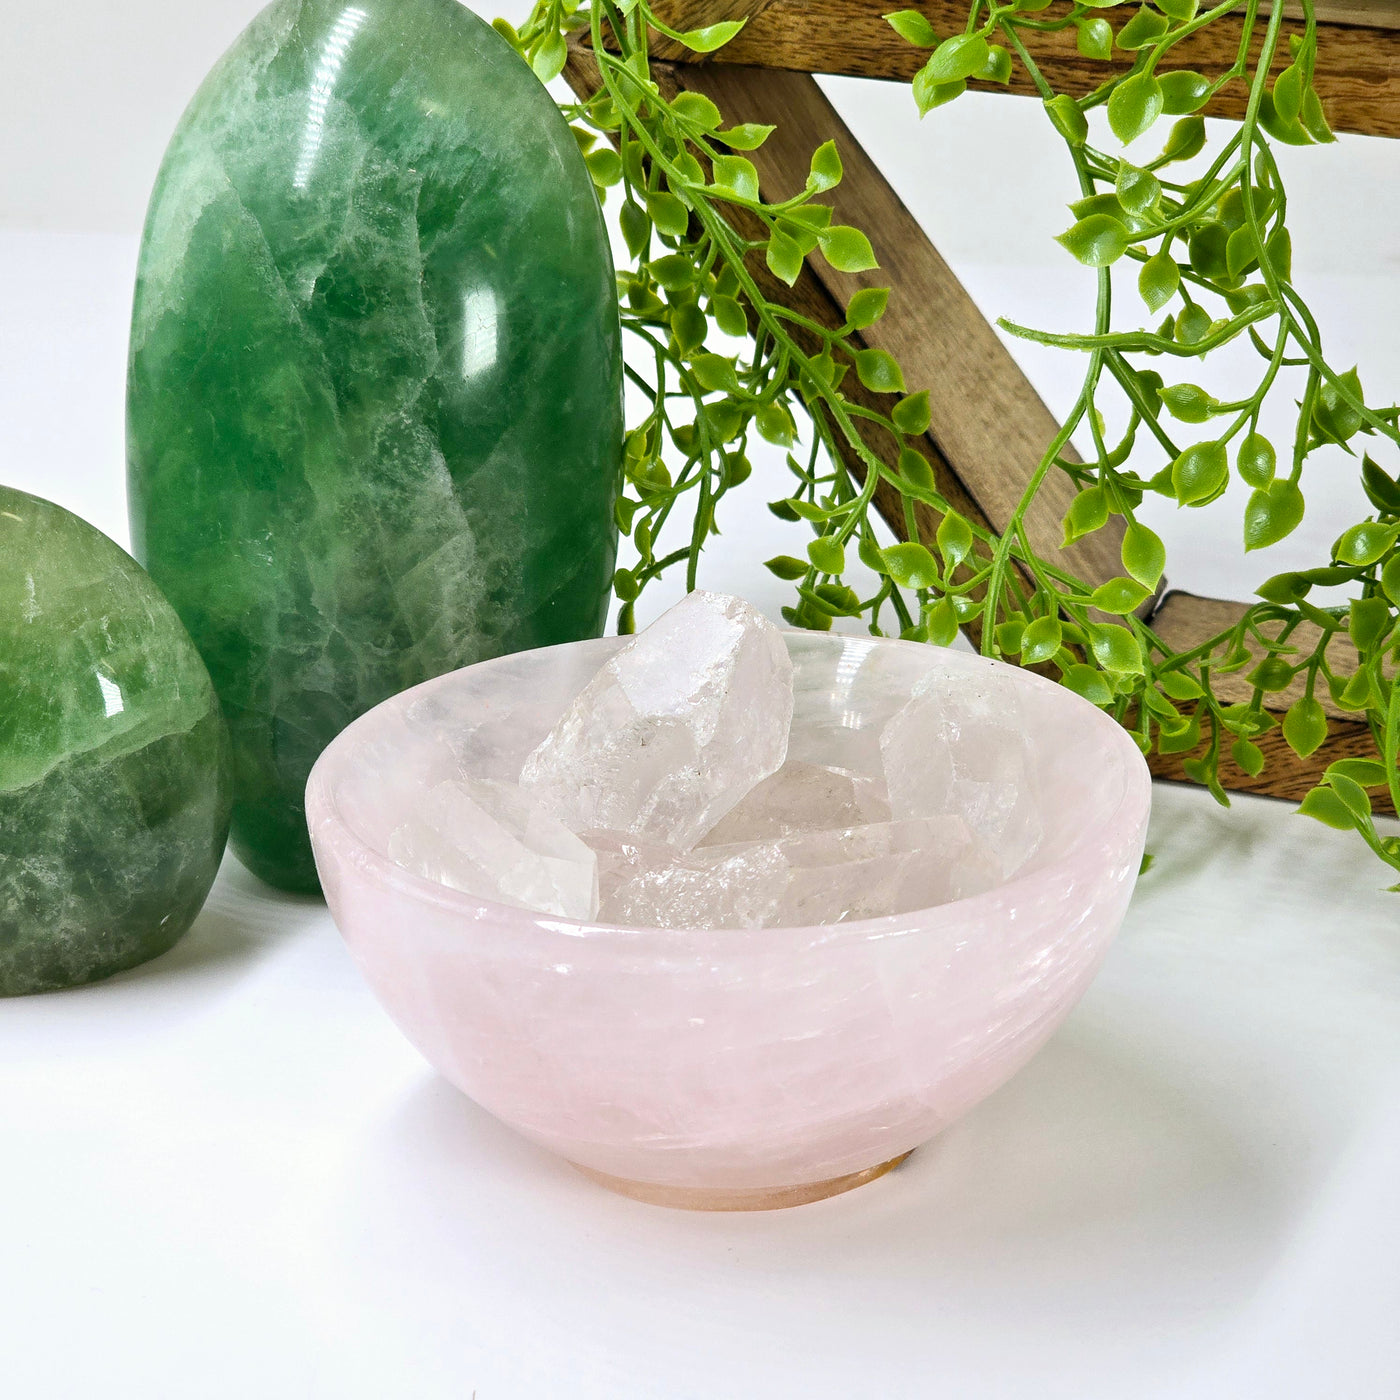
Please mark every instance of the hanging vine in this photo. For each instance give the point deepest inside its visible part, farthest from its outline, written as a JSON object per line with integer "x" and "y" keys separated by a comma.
{"x": 1215, "y": 262}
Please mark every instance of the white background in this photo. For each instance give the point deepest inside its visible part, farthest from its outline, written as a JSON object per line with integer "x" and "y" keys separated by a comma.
{"x": 226, "y": 1175}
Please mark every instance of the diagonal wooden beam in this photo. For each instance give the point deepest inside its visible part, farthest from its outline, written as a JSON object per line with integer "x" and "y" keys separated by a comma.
{"x": 1357, "y": 76}
{"x": 989, "y": 426}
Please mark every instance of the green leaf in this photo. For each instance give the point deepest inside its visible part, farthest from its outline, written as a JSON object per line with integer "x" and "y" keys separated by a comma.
{"x": 1096, "y": 241}
{"x": 696, "y": 109}
{"x": 549, "y": 58}
{"x": 1364, "y": 544}
{"x": 786, "y": 567}
{"x": 1115, "y": 648}
{"x": 1188, "y": 402}
{"x": 604, "y": 166}
{"x": 1183, "y": 92}
{"x": 1134, "y": 105}
{"x": 942, "y": 623}
{"x": 1200, "y": 473}
{"x": 910, "y": 565}
{"x": 1207, "y": 250}
{"x": 775, "y": 424}
{"x": 1193, "y": 324}
{"x": 1186, "y": 139}
{"x": 673, "y": 272}
{"x": 1119, "y": 595}
{"x": 748, "y": 136}
{"x": 913, "y": 28}
{"x": 625, "y": 585}
{"x": 1353, "y": 797}
{"x": 1179, "y": 686}
{"x": 1272, "y": 513}
{"x": 847, "y": 249}
{"x": 716, "y": 374}
{"x": 1158, "y": 281}
{"x": 1241, "y": 251}
{"x": 783, "y": 256}
{"x": 1279, "y": 252}
{"x": 1041, "y": 640}
{"x": 1248, "y": 756}
{"x": 1087, "y": 512}
{"x": 738, "y": 174}
{"x": 1313, "y": 119}
{"x": 827, "y": 555}
{"x": 1365, "y": 772}
{"x": 1138, "y": 191}
{"x": 636, "y": 228}
{"x": 1305, "y": 726}
{"x": 1288, "y": 93}
{"x": 1068, "y": 119}
{"x": 929, "y": 94}
{"x": 668, "y": 213}
{"x": 957, "y": 58}
{"x": 1367, "y": 621}
{"x": 689, "y": 327}
{"x": 997, "y": 68}
{"x": 954, "y": 539}
{"x": 712, "y": 36}
{"x": 1095, "y": 39}
{"x": 1383, "y": 491}
{"x": 1086, "y": 681}
{"x": 866, "y": 307}
{"x": 1008, "y": 637}
{"x": 729, "y": 316}
{"x": 826, "y": 168}
{"x": 1179, "y": 10}
{"x": 1144, "y": 554}
{"x": 1256, "y": 461}
{"x": 879, "y": 371}
{"x": 914, "y": 467}
{"x": 1144, "y": 28}
{"x": 1390, "y": 579}
{"x": 1323, "y": 805}
{"x": 1333, "y": 416}
{"x": 912, "y": 415}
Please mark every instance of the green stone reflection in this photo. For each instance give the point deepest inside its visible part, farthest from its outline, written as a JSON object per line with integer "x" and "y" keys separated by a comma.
{"x": 375, "y": 380}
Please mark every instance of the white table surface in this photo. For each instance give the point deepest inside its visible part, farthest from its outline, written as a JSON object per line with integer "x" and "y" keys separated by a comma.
{"x": 226, "y": 1174}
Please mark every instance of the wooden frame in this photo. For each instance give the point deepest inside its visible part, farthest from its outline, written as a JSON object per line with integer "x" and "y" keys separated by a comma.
{"x": 989, "y": 426}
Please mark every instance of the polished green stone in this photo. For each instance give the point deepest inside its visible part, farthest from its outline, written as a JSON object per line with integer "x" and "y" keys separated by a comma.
{"x": 114, "y": 758}
{"x": 375, "y": 380}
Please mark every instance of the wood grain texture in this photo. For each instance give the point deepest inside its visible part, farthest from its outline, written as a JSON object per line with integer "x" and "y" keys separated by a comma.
{"x": 1183, "y": 621}
{"x": 989, "y": 426}
{"x": 1357, "y": 77}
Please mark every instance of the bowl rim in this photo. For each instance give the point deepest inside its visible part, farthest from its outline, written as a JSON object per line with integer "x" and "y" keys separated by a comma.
{"x": 323, "y": 808}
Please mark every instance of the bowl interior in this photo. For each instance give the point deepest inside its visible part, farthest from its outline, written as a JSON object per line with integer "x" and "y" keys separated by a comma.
{"x": 1072, "y": 764}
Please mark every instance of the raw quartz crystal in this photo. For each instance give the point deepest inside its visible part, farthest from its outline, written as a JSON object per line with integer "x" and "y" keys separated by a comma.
{"x": 662, "y": 798}
{"x": 675, "y": 729}
{"x": 956, "y": 747}
{"x": 490, "y": 839}
{"x": 815, "y": 877}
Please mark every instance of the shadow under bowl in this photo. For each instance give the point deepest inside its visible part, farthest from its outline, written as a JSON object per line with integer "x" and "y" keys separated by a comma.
{"x": 730, "y": 1069}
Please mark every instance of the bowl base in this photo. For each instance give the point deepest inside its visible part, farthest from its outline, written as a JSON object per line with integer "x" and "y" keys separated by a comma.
{"x": 748, "y": 1198}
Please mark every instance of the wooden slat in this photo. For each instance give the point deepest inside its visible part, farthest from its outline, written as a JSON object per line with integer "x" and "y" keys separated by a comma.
{"x": 1183, "y": 621}
{"x": 989, "y": 425}
{"x": 1357, "y": 77}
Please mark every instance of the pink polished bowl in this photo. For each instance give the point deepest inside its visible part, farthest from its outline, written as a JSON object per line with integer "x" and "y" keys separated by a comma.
{"x": 727, "y": 1069}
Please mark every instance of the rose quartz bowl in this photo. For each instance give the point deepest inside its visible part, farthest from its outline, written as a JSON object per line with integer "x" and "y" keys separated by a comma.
{"x": 727, "y": 1069}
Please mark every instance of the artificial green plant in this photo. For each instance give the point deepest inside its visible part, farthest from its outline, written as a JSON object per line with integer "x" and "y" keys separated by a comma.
{"x": 1215, "y": 265}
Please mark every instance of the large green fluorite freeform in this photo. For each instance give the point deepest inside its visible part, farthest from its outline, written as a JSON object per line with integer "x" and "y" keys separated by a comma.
{"x": 114, "y": 759}
{"x": 375, "y": 380}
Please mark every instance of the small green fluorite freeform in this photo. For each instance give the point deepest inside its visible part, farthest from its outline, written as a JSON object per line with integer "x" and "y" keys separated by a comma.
{"x": 114, "y": 757}
{"x": 375, "y": 380}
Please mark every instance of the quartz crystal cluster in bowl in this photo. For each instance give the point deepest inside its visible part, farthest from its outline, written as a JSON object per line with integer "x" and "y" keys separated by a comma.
{"x": 730, "y": 917}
